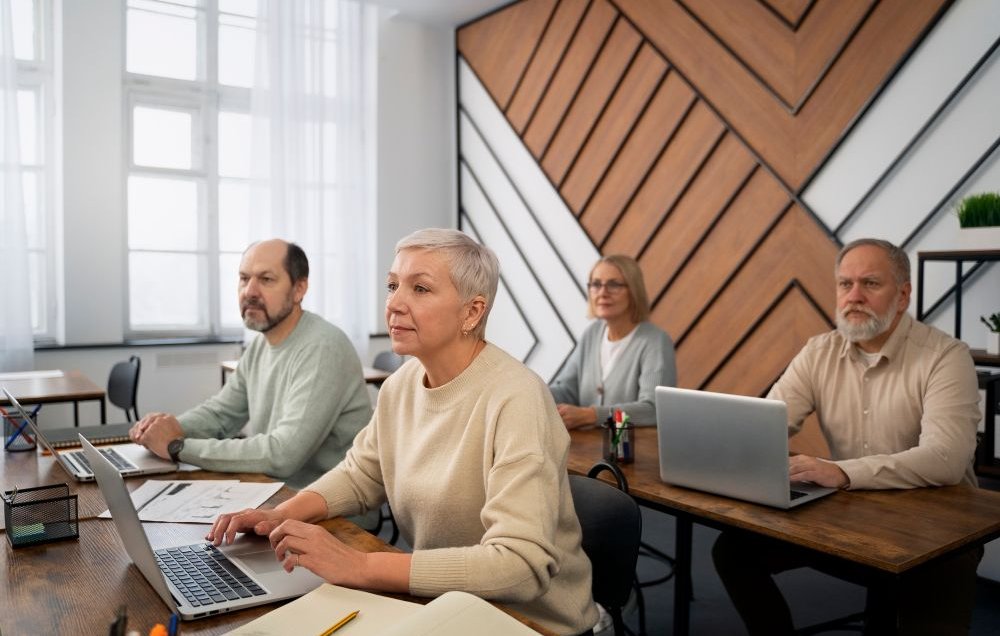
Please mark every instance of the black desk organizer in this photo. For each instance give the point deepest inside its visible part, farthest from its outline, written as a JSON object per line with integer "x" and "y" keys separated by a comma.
{"x": 40, "y": 515}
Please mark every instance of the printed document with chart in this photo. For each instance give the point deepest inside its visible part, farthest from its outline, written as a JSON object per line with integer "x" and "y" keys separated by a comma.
{"x": 197, "y": 501}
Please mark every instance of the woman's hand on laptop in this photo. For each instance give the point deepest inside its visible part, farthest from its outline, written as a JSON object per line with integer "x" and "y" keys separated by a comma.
{"x": 817, "y": 471}
{"x": 306, "y": 505}
{"x": 261, "y": 522}
{"x": 297, "y": 543}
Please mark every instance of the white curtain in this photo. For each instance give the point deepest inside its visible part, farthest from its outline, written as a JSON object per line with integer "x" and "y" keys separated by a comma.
{"x": 16, "y": 346}
{"x": 312, "y": 147}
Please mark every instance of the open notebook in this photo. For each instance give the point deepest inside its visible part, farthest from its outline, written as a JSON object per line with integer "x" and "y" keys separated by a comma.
{"x": 451, "y": 614}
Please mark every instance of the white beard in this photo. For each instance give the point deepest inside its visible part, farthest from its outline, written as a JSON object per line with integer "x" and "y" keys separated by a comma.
{"x": 873, "y": 327}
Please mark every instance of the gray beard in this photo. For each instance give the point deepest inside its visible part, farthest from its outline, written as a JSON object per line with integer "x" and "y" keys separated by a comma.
{"x": 269, "y": 322}
{"x": 873, "y": 327}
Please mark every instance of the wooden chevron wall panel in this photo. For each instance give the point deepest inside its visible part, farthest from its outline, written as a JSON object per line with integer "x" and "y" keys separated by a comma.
{"x": 693, "y": 135}
{"x": 516, "y": 31}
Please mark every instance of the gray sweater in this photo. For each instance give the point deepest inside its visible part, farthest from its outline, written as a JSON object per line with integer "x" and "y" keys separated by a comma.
{"x": 302, "y": 402}
{"x": 645, "y": 363}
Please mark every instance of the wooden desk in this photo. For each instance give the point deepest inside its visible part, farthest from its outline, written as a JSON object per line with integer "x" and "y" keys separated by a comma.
{"x": 76, "y": 586}
{"x": 372, "y": 375}
{"x": 880, "y": 534}
{"x": 71, "y": 386}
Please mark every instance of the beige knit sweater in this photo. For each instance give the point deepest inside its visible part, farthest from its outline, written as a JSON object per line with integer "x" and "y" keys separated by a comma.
{"x": 475, "y": 472}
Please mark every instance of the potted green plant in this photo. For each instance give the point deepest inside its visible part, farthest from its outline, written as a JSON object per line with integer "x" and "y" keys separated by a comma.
{"x": 992, "y": 323}
{"x": 979, "y": 210}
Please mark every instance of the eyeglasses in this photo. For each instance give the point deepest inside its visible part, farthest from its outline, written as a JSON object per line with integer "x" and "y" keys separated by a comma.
{"x": 613, "y": 286}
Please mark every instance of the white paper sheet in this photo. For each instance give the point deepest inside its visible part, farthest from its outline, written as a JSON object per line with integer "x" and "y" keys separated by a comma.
{"x": 197, "y": 501}
{"x": 30, "y": 375}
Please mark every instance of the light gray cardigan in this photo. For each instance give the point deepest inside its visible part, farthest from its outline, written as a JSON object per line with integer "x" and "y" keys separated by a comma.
{"x": 645, "y": 363}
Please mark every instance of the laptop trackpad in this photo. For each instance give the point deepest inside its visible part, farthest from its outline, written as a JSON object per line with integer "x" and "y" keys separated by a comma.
{"x": 259, "y": 562}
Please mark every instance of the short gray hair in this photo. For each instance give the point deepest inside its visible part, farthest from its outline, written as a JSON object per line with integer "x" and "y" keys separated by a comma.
{"x": 473, "y": 268}
{"x": 898, "y": 259}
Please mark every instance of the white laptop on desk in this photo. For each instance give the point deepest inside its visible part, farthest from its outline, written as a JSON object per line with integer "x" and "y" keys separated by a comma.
{"x": 730, "y": 445}
{"x": 130, "y": 459}
{"x": 198, "y": 580}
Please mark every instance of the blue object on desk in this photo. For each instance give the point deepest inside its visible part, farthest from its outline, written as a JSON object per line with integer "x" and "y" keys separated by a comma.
{"x": 18, "y": 440}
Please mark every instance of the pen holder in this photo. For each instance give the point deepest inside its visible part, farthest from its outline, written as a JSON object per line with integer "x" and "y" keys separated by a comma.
{"x": 40, "y": 515}
{"x": 619, "y": 443}
{"x": 16, "y": 434}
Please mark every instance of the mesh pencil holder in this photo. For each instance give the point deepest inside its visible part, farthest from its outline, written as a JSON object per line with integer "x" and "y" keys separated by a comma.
{"x": 40, "y": 515}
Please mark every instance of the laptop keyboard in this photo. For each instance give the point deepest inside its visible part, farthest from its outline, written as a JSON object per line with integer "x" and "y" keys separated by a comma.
{"x": 112, "y": 456}
{"x": 796, "y": 494}
{"x": 204, "y": 575}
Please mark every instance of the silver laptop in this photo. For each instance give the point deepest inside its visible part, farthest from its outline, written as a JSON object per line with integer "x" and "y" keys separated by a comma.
{"x": 198, "y": 580}
{"x": 730, "y": 445}
{"x": 130, "y": 459}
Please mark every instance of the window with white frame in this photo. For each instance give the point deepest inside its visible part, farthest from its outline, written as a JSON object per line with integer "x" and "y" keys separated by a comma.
{"x": 188, "y": 71}
{"x": 32, "y": 26}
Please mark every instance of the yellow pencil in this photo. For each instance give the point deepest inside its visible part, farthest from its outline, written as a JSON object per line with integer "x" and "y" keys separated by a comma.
{"x": 344, "y": 621}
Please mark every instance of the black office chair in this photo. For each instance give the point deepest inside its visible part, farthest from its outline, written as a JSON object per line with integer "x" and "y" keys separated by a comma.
{"x": 644, "y": 549}
{"x": 612, "y": 526}
{"x": 388, "y": 361}
{"x": 123, "y": 384}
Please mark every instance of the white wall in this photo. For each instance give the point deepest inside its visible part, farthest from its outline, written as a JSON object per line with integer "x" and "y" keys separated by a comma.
{"x": 416, "y": 137}
{"x": 93, "y": 215}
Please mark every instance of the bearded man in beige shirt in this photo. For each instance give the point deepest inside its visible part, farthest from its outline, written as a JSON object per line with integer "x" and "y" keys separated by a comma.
{"x": 898, "y": 404}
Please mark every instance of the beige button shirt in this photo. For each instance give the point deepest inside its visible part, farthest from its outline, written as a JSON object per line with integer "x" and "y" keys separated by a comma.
{"x": 908, "y": 421}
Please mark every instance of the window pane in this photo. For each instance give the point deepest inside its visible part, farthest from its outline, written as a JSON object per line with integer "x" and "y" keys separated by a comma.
{"x": 234, "y": 215}
{"x": 23, "y": 23}
{"x": 229, "y": 309}
{"x": 329, "y": 69}
{"x": 27, "y": 122}
{"x": 164, "y": 45}
{"x": 237, "y": 43}
{"x": 39, "y": 292}
{"x": 330, "y": 154}
{"x": 330, "y": 16}
{"x": 163, "y": 291}
{"x": 241, "y": 7}
{"x": 161, "y": 138}
{"x": 162, "y": 214}
{"x": 34, "y": 223}
{"x": 234, "y": 144}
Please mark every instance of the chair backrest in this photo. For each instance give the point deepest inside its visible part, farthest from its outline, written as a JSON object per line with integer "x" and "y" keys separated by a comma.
{"x": 612, "y": 527}
{"x": 387, "y": 361}
{"x": 123, "y": 384}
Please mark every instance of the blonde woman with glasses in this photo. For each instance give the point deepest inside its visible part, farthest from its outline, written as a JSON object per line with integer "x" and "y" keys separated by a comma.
{"x": 621, "y": 357}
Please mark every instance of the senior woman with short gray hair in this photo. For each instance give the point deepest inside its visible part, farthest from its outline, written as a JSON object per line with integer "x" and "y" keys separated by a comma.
{"x": 467, "y": 447}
